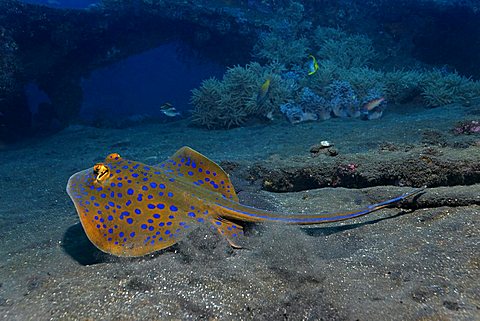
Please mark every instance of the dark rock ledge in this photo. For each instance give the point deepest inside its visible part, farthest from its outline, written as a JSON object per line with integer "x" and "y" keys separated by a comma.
{"x": 417, "y": 167}
{"x": 452, "y": 176}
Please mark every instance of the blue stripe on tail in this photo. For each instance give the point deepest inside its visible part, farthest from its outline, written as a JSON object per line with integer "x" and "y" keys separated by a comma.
{"x": 268, "y": 216}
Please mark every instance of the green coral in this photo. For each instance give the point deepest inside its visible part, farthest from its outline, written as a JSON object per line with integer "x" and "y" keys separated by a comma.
{"x": 347, "y": 51}
{"x": 363, "y": 79}
{"x": 435, "y": 88}
{"x": 327, "y": 72}
{"x": 205, "y": 100}
{"x": 287, "y": 51}
{"x": 284, "y": 41}
{"x": 288, "y": 43}
{"x": 440, "y": 89}
{"x": 322, "y": 34}
{"x": 341, "y": 57}
{"x": 233, "y": 100}
{"x": 403, "y": 85}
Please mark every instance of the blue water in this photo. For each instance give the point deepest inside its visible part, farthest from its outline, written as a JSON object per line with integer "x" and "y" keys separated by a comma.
{"x": 141, "y": 84}
{"x": 73, "y": 4}
{"x": 308, "y": 106}
{"x": 138, "y": 85}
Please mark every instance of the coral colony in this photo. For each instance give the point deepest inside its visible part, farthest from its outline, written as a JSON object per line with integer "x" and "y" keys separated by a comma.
{"x": 319, "y": 73}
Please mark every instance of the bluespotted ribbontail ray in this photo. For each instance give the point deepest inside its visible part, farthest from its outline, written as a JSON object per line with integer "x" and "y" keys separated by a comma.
{"x": 131, "y": 209}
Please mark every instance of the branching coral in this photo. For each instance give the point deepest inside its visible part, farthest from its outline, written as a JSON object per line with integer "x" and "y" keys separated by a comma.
{"x": 232, "y": 101}
{"x": 362, "y": 79}
{"x": 284, "y": 41}
{"x": 205, "y": 101}
{"x": 344, "y": 101}
{"x": 439, "y": 89}
{"x": 344, "y": 50}
{"x": 322, "y": 34}
{"x": 271, "y": 48}
{"x": 402, "y": 85}
{"x": 327, "y": 72}
{"x": 343, "y": 86}
{"x": 295, "y": 114}
{"x": 311, "y": 102}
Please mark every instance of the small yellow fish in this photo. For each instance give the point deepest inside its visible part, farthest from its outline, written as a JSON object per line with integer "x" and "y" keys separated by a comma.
{"x": 373, "y": 104}
{"x": 263, "y": 92}
{"x": 312, "y": 66}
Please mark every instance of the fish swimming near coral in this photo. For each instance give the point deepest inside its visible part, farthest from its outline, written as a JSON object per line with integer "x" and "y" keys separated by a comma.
{"x": 131, "y": 209}
{"x": 312, "y": 65}
{"x": 168, "y": 110}
{"x": 373, "y": 109}
{"x": 374, "y": 103}
{"x": 263, "y": 92}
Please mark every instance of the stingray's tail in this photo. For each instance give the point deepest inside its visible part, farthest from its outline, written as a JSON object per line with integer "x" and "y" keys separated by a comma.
{"x": 246, "y": 213}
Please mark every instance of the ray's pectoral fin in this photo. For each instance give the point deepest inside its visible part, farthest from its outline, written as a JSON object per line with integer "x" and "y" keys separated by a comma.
{"x": 232, "y": 232}
{"x": 200, "y": 171}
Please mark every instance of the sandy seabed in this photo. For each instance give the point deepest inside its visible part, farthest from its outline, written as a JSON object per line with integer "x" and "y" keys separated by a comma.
{"x": 411, "y": 263}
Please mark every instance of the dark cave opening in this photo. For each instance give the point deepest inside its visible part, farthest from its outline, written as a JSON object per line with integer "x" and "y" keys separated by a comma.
{"x": 135, "y": 88}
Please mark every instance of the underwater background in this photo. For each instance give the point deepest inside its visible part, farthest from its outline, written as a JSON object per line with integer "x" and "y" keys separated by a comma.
{"x": 308, "y": 106}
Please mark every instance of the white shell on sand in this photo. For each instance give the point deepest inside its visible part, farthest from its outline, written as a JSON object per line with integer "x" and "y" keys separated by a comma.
{"x": 325, "y": 143}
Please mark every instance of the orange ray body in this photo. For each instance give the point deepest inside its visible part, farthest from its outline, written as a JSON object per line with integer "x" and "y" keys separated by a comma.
{"x": 131, "y": 209}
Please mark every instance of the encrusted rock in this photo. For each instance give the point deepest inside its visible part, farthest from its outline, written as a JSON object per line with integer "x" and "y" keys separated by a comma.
{"x": 324, "y": 144}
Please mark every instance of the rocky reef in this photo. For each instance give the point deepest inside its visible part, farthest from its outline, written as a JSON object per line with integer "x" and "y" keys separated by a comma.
{"x": 351, "y": 73}
{"x": 46, "y": 46}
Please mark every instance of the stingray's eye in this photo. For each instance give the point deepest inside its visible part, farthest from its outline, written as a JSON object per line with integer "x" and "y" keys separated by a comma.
{"x": 100, "y": 171}
{"x": 114, "y": 156}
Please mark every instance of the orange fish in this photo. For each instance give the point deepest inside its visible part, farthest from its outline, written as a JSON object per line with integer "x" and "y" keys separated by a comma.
{"x": 131, "y": 209}
{"x": 373, "y": 103}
